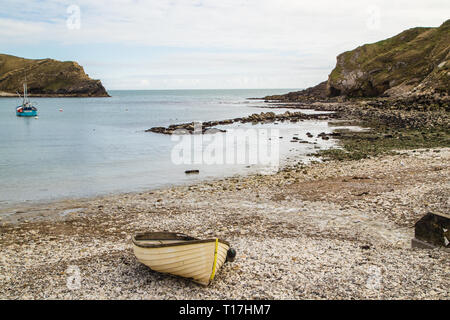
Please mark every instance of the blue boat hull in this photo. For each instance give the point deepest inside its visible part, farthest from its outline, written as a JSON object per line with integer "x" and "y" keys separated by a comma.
{"x": 32, "y": 113}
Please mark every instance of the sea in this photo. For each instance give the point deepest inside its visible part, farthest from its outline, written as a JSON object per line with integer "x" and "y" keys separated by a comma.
{"x": 86, "y": 147}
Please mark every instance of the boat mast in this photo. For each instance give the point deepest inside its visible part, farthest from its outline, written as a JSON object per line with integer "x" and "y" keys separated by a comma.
{"x": 25, "y": 90}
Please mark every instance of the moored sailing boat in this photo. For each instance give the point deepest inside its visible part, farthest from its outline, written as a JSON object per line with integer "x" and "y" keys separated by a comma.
{"x": 26, "y": 109}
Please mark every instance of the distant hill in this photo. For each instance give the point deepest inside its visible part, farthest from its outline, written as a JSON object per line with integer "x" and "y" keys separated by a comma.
{"x": 47, "y": 77}
{"x": 416, "y": 61}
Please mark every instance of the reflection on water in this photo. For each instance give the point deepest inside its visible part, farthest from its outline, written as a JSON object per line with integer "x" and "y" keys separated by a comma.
{"x": 98, "y": 145}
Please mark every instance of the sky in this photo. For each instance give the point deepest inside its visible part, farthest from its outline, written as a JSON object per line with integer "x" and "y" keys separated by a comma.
{"x": 206, "y": 44}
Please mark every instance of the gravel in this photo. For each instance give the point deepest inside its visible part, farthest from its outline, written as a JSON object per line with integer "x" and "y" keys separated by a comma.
{"x": 332, "y": 230}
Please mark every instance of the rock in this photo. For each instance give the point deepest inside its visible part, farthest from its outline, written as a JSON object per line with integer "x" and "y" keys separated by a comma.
{"x": 192, "y": 171}
{"x": 315, "y": 93}
{"x": 188, "y": 128}
{"x": 323, "y": 135}
{"x": 433, "y": 229}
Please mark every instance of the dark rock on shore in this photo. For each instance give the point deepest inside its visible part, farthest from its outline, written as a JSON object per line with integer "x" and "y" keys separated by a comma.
{"x": 316, "y": 93}
{"x": 185, "y": 128}
{"x": 263, "y": 117}
{"x": 192, "y": 171}
{"x": 323, "y": 135}
{"x": 424, "y": 111}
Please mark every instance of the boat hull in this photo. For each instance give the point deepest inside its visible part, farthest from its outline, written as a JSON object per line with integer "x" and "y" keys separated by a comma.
{"x": 32, "y": 113}
{"x": 196, "y": 259}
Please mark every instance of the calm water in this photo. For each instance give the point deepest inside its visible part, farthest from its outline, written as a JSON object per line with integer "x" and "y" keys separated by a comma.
{"x": 98, "y": 145}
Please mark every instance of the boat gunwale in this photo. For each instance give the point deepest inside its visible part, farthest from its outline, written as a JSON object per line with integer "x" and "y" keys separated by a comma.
{"x": 146, "y": 236}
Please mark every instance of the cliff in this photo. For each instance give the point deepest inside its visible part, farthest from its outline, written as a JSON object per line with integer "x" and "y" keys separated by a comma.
{"x": 415, "y": 61}
{"x": 47, "y": 77}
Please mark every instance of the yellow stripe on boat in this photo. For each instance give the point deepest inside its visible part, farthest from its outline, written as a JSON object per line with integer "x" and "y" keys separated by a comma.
{"x": 215, "y": 260}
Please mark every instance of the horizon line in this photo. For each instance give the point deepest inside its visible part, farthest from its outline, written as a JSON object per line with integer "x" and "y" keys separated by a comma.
{"x": 205, "y": 89}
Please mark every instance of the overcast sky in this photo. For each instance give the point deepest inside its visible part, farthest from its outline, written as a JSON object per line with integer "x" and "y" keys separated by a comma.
{"x": 184, "y": 44}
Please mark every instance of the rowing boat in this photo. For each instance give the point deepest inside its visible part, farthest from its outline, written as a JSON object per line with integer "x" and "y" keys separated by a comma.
{"x": 182, "y": 255}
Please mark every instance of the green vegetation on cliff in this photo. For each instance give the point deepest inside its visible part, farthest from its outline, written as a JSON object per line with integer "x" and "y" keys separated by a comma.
{"x": 47, "y": 77}
{"x": 414, "y": 61}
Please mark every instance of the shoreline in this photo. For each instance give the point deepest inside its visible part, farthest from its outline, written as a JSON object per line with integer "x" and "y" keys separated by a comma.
{"x": 314, "y": 232}
{"x": 36, "y": 210}
{"x": 291, "y": 154}
{"x": 337, "y": 229}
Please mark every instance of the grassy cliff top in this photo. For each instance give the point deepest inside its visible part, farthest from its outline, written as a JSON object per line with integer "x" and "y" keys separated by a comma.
{"x": 417, "y": 59}
{"x": 47, "y": 77}
{"x": 415, "y": 62}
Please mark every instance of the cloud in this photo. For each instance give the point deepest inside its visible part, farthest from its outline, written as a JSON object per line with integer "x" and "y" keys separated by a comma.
{"x": 259, "y": 37}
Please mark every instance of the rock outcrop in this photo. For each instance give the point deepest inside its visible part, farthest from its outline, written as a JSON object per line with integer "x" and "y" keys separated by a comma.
{"x": 47, "y": 77}
{"x": 263, "y": 117}
{"x": 415, "y": 62}
{"x": 313, "y": 94}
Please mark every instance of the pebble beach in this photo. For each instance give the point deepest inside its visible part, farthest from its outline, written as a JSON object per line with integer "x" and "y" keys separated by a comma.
{"x": 330, "y": 230}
